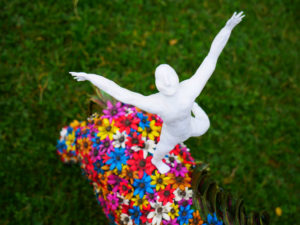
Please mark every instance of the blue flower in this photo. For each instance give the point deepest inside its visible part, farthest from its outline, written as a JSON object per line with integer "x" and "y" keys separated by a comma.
{"x": 61, "y": 145}
{"x": 213, "y": 220}
{"x": 98, "y": 166}
{"x": 185, "y": 213}
{"x": 135, "y": 214}
{"x": 144, "y": 122}
{"x": 96, "y": 142}
{"x": 70, "y": 130}
{"x": 117, "y": 158}
{"x": 143, "y": 185}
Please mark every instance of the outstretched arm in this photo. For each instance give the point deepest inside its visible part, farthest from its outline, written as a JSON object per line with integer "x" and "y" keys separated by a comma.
{"x": 146, "y": 103}
{"x": 197, "y": 82}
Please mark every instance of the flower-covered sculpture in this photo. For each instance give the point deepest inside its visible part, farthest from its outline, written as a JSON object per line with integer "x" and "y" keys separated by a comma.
{"x": 175, "y": 101}
{"x": 140, "y": 170}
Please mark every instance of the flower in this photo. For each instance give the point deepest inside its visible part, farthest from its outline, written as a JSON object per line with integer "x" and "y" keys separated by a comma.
{"x": 159, "y": 180}
{"x": 106, "y": 146}
{"x": 139, "y": 164}
{"x": 160, "y": 212}
{"x": 144, "y": 122}
{"x": 196, "y": 220}
{"x": 128, "y": 174}
{"x": 107, "y": 129}
{"x": 119, "y": 139}
{"x": 98, "y": 166}
{"x": 143, "y": 185}
{"x": 113, "y": 200}
{"x": 113, "y": 111}
{"x": 117, "y": 159}
{"x": 149, "y": 146}
{"x": 185, "y": 213}
{"x": 213, "y": 220}
{"x": 125, "y": 219}
{"x": 135, "y": 141}
{"x": 166, "y": 195}
{"x": 185, "y": 194}
{"x": 170, "y": 222}
{"x": 180, "y": 182}
{"x": 152, "y": 197}
{"x": 179, "y": 169}
{"x": 174, "y": 211}
{"x": 126, "y": 189}
{"x": 135, "y": 214}
{"x": 151, "y": 132}
{"x": 140, "y": 202}
{"x": 126, "y": 123}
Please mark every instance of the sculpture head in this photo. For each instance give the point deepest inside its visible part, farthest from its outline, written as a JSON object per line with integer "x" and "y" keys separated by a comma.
{"x": 166, "y": 79}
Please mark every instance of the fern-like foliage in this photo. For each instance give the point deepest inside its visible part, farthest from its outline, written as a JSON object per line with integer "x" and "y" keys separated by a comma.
{"x": 209, "y": 198}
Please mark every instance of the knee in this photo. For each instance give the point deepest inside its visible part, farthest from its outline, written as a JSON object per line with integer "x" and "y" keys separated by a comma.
{"x": 201, "y": 127}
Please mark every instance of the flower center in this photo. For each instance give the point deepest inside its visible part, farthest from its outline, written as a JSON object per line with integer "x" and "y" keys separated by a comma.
{"x": 106, "y": 144}
{"x": 124, "y": 188}
{"x": 142, "y": 163}
{"x": 98, "y": 141}
{"x": 179, "y": 179}
{"x": 140, "y": 201}
{"x": 159, "y": 210}
{"x": 99, "y": 122}
{"x": 173, "y": 211}
{"x": 118, "y": 158}
{"x": 114, "y": 112}
{"x": 136, "y": 214}
{"x": 85, "y": 144}
{"x": 127, "y": 122}
{"x": 98, "y": 164}
{"x": 184, "y": 213}
{"x": 144, "y": 120}
{"x": 135, "y": 141}
{"x": 171, "y": 159}
{"x": 148, "y": 129}
{"x": 108, "y": 128}
{"x": 159, "y": 180}
{"x": 142, "y": 185}
{"x": 121, "y": 139}
{"x": 167, "y": 193}
{"x": 95, "y": 152}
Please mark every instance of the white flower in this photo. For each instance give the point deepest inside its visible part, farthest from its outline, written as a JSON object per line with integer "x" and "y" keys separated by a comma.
{"x": 119, "y": 139}
{"x": 171, "y": 159}
{"x": 126, "y": 219}
{"x": 122, "y": 199}
{"x": 149, "y": 146}
{"x": 128, "y": 110}
{"x": 160, "y": 212}
{"x": 63, "y": 134}
{"x": 186, "y": 194}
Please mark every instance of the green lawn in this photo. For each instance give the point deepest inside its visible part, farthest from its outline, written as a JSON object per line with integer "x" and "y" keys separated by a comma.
{"x": 251, "y": 99}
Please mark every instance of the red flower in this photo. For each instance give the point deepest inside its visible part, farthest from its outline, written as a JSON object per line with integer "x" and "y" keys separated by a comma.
{"x": 126, "y": 190}
{"x": 135, "y": 140}
{"x": 166, "y": 195}
{"x": 138, "y": 163}
{"x": 176, "y": 150}
{"x": 127, "y": 122}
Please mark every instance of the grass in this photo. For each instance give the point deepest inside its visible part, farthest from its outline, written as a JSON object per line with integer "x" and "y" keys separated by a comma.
{"x": 253, "y": 143}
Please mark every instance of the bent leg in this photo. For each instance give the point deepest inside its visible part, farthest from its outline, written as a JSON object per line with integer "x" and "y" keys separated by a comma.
{"x": 164, "y": 146}
{"x": 200, "y": 123}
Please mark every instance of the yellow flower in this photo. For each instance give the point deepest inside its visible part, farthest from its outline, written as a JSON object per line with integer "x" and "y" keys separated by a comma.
{"x": 159, "y": 180}
{"x": 107, "y": 129}
{"x": 140, "y": 202}
{"x": 70, "y": 142}
{"x": 150, "y": 132}
{"x": 174, "y": 211}
{"x": 75, "y": 123}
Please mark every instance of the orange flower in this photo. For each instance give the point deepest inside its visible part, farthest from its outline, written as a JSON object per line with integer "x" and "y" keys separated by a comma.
{"x": 128, "y": 174}
{"x": 196, "y": 220}
{"x": 179, "y": 181}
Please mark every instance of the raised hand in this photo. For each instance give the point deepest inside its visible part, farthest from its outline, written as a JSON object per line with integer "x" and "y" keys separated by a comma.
{"x": 234, "y": 20}
{"x": 79, "y": 76}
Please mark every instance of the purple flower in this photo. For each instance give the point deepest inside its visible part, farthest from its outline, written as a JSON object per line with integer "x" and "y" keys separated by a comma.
{"x": 170, "y": 222}
{"x": 113, "y": 200}
{"x": 152, "y": 197}
{"x": 179, "y": 169}
{"x": 113, "y": 111}
{"x": 106, "y": 146}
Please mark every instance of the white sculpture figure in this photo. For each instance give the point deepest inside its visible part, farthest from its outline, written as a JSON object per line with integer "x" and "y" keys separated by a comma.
{"x": 175, "y": 101}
